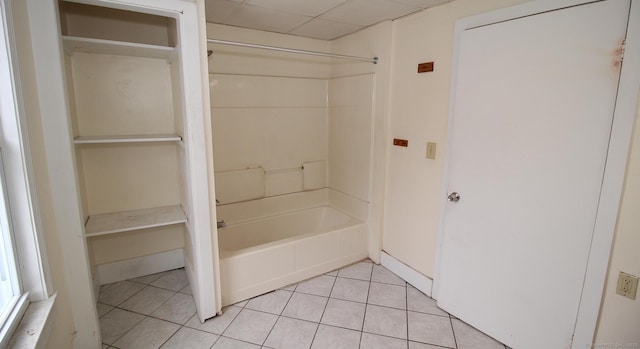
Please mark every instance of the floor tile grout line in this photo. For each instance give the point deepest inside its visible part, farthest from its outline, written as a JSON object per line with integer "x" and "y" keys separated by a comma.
{"x": 126, "y": 332}
{"x": 406, "y": 312}
{"x": 343, "y": 300}
{"x": 278, "y": 318}
{"x": 173, "y": 334}
{"x": 152, "y": 316}
{"x": 325, "y": 308}
{"x": 217, "y": 339}
{"x": 364, "y": 318}
{"x": 230, "y": 322}
{"x": 453, "y": 330}
{"x": 236, "y": 339}
{"x": 386, "y": 336}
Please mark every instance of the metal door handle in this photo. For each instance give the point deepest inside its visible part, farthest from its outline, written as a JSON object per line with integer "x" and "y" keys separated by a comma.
{"x": 453, "y": 197}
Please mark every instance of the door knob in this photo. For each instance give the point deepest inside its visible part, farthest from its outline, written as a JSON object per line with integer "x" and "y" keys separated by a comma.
{"x": 454, "y": 197}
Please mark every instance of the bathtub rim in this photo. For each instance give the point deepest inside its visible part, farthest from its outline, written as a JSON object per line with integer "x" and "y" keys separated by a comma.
{"x": 226, "y": 254}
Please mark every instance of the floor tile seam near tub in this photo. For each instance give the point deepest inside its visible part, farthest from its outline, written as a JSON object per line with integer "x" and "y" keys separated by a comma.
{"x": 342, "y": 328}
{"x": 392, "y": 284}
{"x": 406, "y": 295}
{"x": 268, "y": 293}
{"x": 392, "y": 337}
{"x": 150, "y": 282}
{"x": 125, "y": 300}
{"x": 277, "y": 319}
{"x": 314, "y": 294}
{"x": 205, "y": 331}
{"x": 424, "y": 312}
{"x": 257, "y": 311}
{"x": 325, "y": 308}
{"x": 155, "y": 317}
{"x": 123, "y": 334}
{"x": 453, "y": 330}
{"x": 312, "y": 322}
{"x": 171, "y": 336}
{"x": 233, "y": 339}
{"x": 383, "y": 306}
{"x": 119, "y": 306}
{"x": 364, "y": 319}
{"x": 377, "y": 282}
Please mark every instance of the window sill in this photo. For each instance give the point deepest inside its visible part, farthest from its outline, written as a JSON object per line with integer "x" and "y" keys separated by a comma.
{"x": 35, "y": 326}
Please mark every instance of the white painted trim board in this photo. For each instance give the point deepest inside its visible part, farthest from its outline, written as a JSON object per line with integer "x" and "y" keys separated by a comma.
{"x": 612, "y": 185}
{"x": 140, "y": 266}
{"x": 406, "y": 273}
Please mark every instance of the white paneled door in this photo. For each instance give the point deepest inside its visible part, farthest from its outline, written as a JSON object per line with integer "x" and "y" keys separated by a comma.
{"x": 533, "y": 109}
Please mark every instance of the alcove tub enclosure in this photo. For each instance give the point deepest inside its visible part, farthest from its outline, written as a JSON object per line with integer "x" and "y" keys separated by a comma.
{"x": 273, "y": 242}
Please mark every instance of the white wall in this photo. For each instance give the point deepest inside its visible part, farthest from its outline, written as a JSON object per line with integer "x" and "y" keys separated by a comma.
{"x": 371, "y": 42}
{"x": 418, "y": 112}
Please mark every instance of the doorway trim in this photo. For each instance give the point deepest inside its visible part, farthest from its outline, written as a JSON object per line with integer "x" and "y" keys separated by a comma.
{"x": 616, "y": 163}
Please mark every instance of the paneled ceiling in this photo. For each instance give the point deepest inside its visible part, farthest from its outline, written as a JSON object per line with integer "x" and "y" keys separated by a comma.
{"x": 317, "y": 19}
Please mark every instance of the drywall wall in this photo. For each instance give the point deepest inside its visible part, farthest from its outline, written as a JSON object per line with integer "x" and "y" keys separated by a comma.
{"x": 619, "y": 316}
{"x": 269, "y": 115}
{"x": 418, "y": 112}
{"x": 374, "y": 41}
{"x": 63, "y": 327}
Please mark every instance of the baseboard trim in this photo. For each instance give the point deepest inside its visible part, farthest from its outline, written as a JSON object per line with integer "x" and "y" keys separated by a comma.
{"x": 408, "y": 274}
{"x": 140, "y": 266}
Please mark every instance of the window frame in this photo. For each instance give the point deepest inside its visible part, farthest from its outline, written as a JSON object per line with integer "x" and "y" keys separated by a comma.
{"x": 29, "y": 252}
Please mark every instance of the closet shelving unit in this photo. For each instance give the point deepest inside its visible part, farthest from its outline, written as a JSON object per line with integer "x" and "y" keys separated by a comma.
{"x": 133, "y": 77}
{"x": 117, "y": 222}
{"x": 125, "y": 220}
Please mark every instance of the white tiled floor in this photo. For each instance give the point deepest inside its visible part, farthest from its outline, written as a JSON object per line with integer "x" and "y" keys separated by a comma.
{"x": 360, "y": 306}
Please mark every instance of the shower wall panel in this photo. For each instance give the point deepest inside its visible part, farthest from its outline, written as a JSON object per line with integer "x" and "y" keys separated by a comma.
{"x": 350, "y": 132}
{"x": 269, "y": 111}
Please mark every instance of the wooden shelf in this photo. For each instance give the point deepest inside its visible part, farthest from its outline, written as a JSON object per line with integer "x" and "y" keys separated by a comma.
{"x": 88, "y": 45}
{"x": 117, "y": 222}
{"x": 127, "y": 139}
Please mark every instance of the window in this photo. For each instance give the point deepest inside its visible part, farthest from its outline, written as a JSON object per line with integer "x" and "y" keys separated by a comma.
{"x": 10, "y": 289}
{"x": 12, "y": 302}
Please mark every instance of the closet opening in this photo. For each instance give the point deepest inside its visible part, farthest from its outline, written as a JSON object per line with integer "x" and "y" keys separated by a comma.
{"x": 136, "y": 132}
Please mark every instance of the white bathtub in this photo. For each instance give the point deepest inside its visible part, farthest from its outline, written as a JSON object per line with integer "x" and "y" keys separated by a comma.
{"x": 266, "y": 253}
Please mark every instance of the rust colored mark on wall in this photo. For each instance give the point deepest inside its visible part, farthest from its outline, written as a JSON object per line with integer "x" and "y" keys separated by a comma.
{"x": 400, "y": 142}
{"x": 425, "y": 67}
{"x": 618, "y": 55}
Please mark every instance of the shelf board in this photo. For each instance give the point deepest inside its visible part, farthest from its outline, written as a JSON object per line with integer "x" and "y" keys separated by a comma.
{"x": 126, "y": 139}
{"x": 89, "y": 45}
{"x": 117, "y": 222}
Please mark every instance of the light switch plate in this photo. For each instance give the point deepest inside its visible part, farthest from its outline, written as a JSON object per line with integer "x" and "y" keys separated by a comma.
{"x": 431, "y": 150}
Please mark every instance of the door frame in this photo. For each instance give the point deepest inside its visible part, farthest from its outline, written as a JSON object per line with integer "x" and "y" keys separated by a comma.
{"x": 616, "y": 163}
